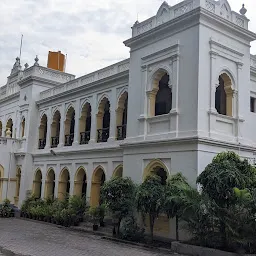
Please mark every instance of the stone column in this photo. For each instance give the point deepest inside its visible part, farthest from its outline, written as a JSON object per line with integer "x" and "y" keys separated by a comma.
{"x": 49, "y": 126}
{"x": 77, "y": 124}
{"x": 175, "y": 83}
{"x": 112, "y": 128}
{"x": 213, "y": 82}
{"x": 62, "y": 127}
{"x": 94, "y": 111}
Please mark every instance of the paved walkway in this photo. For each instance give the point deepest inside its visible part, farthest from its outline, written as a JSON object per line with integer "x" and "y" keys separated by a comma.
{"x": 39, "y": 239}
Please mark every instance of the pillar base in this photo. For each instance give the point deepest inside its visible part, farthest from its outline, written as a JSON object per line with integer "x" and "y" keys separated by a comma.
{"x": 60, "y": 145}
{"x": 92, "y": 141}
{"x": 75, "y": 143}
{"x": 111, "y": 139}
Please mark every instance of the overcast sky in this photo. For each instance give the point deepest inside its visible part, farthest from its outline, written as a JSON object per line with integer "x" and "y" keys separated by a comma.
{"x": 91, "y": 33}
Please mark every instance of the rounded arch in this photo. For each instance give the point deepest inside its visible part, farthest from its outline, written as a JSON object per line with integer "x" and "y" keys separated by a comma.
{"x": 118, "y": 172}
{"x": 64, "y": 183}
{"x": 69, "y": 109}
{"x": 121, "y": 115}
{"x": 98, "y": 179}
{"x": 80, "y": 183}
{"x": 104, "y": 98}
{"x": 103, "y": 120}
{"x": 69, "y": 125}
{"x": 85, "y": 102}
{"x": 55, "y": 128}
{"x": 157, "y": 167}
{"x": 37, "y": 184}
{"x": 224, "y": 93}
{"x": 156, "y": 74}
{"x": 56, "y": 112}
{"x": 50, "y": 184}
{"x": 124, "y": 90}
{"x": 9, "y": 128}
{"x": 226, "y": 71}
{"x": 160, "y": 93}
{"x": 85, "y": 123}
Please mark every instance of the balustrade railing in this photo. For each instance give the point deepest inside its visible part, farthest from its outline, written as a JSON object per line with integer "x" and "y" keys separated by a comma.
{"x": 42, "y": 143}
{"x": 69, "y": 139}
{"x": 55, "y": 142}
{"x": 85, "y": 137}
{"x": 121, "y": 132}
{"x": 103, "y": 135}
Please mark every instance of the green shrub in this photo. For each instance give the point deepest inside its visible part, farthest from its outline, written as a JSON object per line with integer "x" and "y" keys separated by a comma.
{"x": 129, "y": 230}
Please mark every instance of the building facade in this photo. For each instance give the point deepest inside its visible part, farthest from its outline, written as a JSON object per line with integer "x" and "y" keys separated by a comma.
{"x": 186, "y": 93}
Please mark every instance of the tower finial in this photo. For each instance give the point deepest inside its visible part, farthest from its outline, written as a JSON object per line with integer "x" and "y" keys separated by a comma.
{"x": 243, "y": 11}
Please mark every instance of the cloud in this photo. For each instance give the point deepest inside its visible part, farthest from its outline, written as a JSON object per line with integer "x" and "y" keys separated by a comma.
{"x": 91, "y": 33}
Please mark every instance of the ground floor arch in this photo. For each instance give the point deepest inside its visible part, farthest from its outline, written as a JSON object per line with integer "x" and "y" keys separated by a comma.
{"x": 64, "y": 184}
{"x": 80, "y": 183}
{"x": 157, "y": 167}
{"x": 17, "y": 191}
{"x": 49, "y": 184}
{"x": 37, "y": 184}
{"x": 1, "y": 181}
{"x": 98, "y": 179}
{"x": 118, "y": 172}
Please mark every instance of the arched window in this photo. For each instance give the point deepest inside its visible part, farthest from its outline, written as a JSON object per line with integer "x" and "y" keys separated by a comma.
{"x": 42, "y": 132}
{"x": 98, "y": 180}
{"x": 69, "y": 127}
{"x": 121, "y": 116}
{"x": 55, "y": 129}
{"x": 118, "y": 172}
{"x": 9, "y": 128}
{"x": 85, "y": 124}
{"x": 103, "y": 120}
{"x": 224, "y": 95}
{"x": 23, "y": 127}
{"x": 160, "y": 97}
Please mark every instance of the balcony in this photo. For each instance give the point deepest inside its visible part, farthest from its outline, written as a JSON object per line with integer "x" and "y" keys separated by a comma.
{"x": 85, "y": 137}
{"x": 55, "y": 142}
{"x": 69, "y": 139}
{"x": 103, "y": 135}
{"x": 121, "y": 132}
{"x": 42, "y": 143}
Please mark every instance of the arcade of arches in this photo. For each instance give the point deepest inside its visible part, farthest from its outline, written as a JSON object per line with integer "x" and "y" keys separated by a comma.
{"x": 160, "y": 97}
{"x": 64, "y": 184}
{"x": 224, "y": 95}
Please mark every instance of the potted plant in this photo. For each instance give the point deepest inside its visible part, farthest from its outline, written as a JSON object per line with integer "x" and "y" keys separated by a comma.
{"x": 95, "y": 216}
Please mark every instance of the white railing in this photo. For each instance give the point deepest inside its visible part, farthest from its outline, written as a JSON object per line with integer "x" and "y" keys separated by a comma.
{"x": 87, "y": 79}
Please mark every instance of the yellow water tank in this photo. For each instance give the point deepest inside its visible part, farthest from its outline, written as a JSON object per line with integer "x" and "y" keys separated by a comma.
{"x": 56, "y": 60}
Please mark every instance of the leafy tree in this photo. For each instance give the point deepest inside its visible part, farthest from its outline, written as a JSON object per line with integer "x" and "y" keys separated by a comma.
{"x": 226, "y": 172}
{"x": 150, "y": 199}
{"x": 174, "y": 198}
{"x": 118, "y": 194}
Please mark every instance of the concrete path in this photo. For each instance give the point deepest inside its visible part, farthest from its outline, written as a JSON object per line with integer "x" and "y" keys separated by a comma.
{"x": 39, "y": 239}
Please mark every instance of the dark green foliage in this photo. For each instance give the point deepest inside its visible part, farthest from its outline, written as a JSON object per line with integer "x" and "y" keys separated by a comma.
{"x": 129, "y": 230}
{"x": 118, "y": 195}
{"x": 150, "y": 199}
{"x": 6, "y": 210}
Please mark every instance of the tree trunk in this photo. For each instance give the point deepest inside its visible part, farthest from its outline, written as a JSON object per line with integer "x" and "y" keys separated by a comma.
{"x": 151, "y": 223}
{"x": 177, "y": 228}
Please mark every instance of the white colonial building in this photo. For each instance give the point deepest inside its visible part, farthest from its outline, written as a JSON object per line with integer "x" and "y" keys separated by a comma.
{"x": 187, "y": 92}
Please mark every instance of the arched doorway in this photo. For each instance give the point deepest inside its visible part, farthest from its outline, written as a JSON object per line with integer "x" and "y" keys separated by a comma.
{"x": 160, "y": 97}
{"x": 9, "y": 129}
{"x": 85, "y": 124}
{"x": 224, "y": 95}
{"x": 103, "y": 120}
{"x": 50, "y": 184}
{"x": 69, "y": 126}
{"x": 23, "y": 123}
{"x": 157, "y": 167}
{"x": 55, "y": 129}
{"x": 80, "y": 185}
{"x": 42, "y": 132}
{"x": 118, "y": 172}
{"x": 64, "y": 184}
{"x": 37, "y": 184}
{"x": 121, "y": 116}
{"x": 98, "y": 179}
{"x": 17, "y": 192}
